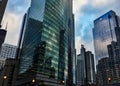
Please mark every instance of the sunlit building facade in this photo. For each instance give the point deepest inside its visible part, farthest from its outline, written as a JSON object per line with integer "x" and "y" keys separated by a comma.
{"x": 45, "y": 42}
{"x": 104, "y": 33}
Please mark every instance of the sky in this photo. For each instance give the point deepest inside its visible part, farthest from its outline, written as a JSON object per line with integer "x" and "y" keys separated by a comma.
{"x": 85, "y": 11}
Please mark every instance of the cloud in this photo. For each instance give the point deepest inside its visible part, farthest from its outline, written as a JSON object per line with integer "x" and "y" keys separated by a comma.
{"x": 13, "y": 28}
{"x": 85, "y": 13}
{"x": 13, "y": 15}
{"x": 77, "y": 4}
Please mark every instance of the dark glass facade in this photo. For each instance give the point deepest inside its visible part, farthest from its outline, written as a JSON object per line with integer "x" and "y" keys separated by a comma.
{"x": 2, "y": 36}
{"x": 114, "y": 57}
{"x": 104, "y": 33}
{"x": 90, "y": 67}
{"x": 2, "y": 8}
{"x": 45, "y": 39}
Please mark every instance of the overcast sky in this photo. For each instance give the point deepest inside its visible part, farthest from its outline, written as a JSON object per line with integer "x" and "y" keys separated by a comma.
{"x": 86, "y": 11}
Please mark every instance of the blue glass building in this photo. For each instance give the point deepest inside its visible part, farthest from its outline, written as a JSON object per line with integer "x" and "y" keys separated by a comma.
{"x": 104, "y": 33}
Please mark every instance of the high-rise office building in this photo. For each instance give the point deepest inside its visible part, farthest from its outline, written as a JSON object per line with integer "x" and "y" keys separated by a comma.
{"x": 44, "y": 43}
{"x": 2, "y": 8}
{"x": 104, "y": 32}
{"x": 85, "y": 68}
{"x": 8, "y": 51}
{"x": 114, "y": 57}
{"x": 90, "y": 67}
{"x": 103, "y": 72}
{"x": 80, "y": 73}
{"x": 71, "y": 46}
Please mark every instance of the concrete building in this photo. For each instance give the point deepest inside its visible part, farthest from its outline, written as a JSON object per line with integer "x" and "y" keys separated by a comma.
{"x": 8, "y": 51}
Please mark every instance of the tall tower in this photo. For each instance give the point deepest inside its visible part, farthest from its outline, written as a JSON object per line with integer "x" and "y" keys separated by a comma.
{"x": 81, "y": 67}
{"x": 2, "y": 8}
{"x": 44, "y": 42}
{"x": 71, "y": 46}
{"x": 104, "y": 33}
{"x": 85, "y": 68}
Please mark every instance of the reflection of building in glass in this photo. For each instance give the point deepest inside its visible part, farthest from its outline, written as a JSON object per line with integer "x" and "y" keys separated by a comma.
{"x": 85, "y": 68}
{"x": 104, "y": 32}
{"x": 44, "y": 42}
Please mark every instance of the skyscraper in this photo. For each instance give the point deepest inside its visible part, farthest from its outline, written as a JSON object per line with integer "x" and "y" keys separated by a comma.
{"x": 2, "y": 8}
{"x": 44, "y": 42}
{"x": 90, "y": 67}
{"x": 85, "y": 68}
{"x": 103, "y": 71}
{"x": 104, "y": 33}
{"x": 71, "y": 46}
{"x": 114, "y": 57}
{"x": 8, "y": 51}
{"x": 80, "y": 73}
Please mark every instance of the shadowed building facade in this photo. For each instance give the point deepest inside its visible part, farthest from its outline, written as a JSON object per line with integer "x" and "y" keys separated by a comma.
{"x": 2, "y": 8}
{"x": 44, "y": 44}
{"x": 2, "y": 36}
{"x": 85, "y": 68}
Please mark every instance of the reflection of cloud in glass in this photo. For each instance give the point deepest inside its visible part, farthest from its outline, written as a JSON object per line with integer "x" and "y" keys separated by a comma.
{"x": 104, "y": 33}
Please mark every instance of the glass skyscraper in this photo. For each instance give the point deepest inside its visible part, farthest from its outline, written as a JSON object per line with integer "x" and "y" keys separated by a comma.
{"x": 85, "y": 68}
{"x": 104, "y": 33}
{"x": 44, "y": 41}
